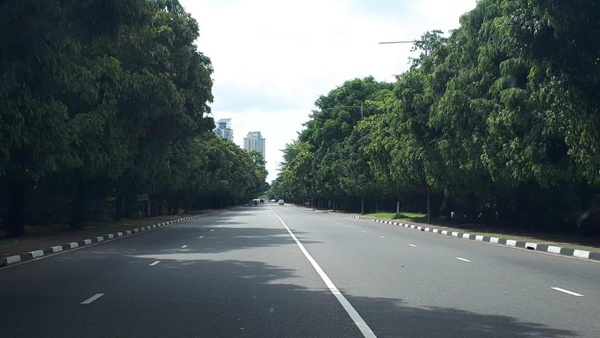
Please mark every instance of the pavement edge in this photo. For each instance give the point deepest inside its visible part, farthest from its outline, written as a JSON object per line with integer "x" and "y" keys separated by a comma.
{"x": 28, "y": 256}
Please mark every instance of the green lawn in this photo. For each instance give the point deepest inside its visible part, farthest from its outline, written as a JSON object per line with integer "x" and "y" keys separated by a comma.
{"x": 392, "y": 215}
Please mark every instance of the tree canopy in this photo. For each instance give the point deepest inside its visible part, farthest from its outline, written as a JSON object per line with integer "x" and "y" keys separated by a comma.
{"x": 499, "y": 121}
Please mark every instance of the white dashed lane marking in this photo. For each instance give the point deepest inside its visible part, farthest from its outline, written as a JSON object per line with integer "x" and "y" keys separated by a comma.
{"x": 91, "y": 299}
{"x": 414, "y": 246}
{"x": 381, "y": 236}
{"x": 567, "y": 292}
{"x": 462, "y": 259}
{"x": 184, "y": 246}
{"x": 201, "y": 237}
{"x": 154, "y": 263}
{"x": 362, "y": 231}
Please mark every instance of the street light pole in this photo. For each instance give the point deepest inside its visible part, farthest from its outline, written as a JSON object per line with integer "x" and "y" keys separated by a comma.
{"x": 409, "y": 41}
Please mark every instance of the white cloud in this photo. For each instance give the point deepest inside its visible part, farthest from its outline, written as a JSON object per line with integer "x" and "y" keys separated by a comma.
{"x": 273, "y": 58}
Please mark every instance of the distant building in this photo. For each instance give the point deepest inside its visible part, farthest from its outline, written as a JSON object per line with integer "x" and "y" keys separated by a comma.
{"x": 224, "y": 129}
{"x": 255, "y": 141}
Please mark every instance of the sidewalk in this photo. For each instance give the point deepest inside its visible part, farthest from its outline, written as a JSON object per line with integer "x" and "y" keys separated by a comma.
{"x": 41, "y": 237}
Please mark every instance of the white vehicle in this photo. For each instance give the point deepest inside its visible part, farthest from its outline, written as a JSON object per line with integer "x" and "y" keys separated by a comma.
{"x": 280, "y": 202}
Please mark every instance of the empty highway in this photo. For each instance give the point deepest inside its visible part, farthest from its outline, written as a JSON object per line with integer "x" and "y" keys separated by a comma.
{"x": 284, "y": 271}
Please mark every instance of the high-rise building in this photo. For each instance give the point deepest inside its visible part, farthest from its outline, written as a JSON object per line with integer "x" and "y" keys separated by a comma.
{"x": 255, "y": 141}
{"x": 224, "y": 129}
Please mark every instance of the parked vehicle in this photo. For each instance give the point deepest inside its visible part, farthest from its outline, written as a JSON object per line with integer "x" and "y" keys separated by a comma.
{"x": 280, "y": 202}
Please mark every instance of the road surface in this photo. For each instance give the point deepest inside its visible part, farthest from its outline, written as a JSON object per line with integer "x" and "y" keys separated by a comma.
{"x": 283, "y": 271}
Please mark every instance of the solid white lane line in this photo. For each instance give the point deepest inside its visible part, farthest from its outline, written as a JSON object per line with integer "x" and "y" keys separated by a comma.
{"x": 358, "y": 321}
{"x": 567, "y": 292}
{"x": 201, "y": 237}
{"x": 91, "y": 299}
{"x": 462, "y": 259}
{"x": 414, "y": 246}
{"x": 184, "y": 246}
{"x": 154, "y": 263}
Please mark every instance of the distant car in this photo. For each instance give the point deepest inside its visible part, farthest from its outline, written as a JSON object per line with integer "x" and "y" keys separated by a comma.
{"x": 280, "y": 202}
{"x": 273, "y": 200}
{"x": 262, "y": 201}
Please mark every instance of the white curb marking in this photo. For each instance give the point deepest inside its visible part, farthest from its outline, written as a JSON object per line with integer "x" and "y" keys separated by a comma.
{"x": 13, "y": 259}
{"x": 358, "y": 321}
{"x": 91, "y": 299}
{"x": 554, "y": 249}
{"x": 567, "y": 292}
{"x": 37, "y": 253}
{"x": 581, "y": 254}
{"x": 511, "y": 242}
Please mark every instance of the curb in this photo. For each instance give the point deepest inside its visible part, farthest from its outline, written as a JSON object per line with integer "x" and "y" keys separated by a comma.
{"x": 501, "y": 241}
{"x": 24, "y": 257}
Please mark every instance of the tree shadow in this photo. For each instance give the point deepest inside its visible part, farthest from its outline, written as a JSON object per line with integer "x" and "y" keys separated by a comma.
{"x": 239, "y": 298}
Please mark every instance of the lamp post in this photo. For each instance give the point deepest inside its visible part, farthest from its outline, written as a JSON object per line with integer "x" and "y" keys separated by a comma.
{"x": 408, "y": 41}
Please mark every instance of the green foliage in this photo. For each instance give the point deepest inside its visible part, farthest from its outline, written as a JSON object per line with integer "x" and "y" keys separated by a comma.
{"x": 111, "y": 108}
{"x": 500, "y": 120}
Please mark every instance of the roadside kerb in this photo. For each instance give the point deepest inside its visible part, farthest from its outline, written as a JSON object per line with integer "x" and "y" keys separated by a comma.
{"x": 499, "y": 241}
{"x": 27, "y": 256}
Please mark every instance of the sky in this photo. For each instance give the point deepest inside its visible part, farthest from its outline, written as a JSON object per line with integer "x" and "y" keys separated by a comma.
{"x": 272, "y": 59}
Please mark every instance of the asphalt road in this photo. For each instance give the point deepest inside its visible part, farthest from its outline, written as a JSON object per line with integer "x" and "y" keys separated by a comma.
{"x": 242, "y": 273}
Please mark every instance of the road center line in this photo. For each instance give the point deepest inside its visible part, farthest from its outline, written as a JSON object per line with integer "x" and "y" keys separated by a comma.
{"x": 358, "y": 321}
{"x": 462, "y": 259}
{"x": 567, "y": 292}
{"x": 184, "y": 246}
{"x": 91, "y": 299}
{"x": 154, "y": 263}
{"x": 414, "y": 246}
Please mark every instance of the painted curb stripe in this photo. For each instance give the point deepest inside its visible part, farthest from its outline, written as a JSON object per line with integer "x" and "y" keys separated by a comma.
{"x": 5, "y": 261}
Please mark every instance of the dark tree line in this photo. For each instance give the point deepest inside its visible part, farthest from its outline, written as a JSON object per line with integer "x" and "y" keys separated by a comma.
{"x": 103, "y": 100}
{"x": 498, "y": 122}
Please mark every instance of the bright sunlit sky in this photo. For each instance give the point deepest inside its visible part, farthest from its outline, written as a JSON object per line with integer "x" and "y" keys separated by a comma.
{"x": 274, "y": 58}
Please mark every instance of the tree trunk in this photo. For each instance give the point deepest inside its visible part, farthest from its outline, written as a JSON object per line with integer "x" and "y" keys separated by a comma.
{"x": 362, "y": 205}
{"x": 119, "y": 208}
{"x": 398, "y": 205}
{"x": 78, "y": 206}
{"x": 16, "y": 208}
{"x": 376, "y": 205}
{"x": 428, "y": 206}
{"x": 333, "y": 204}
